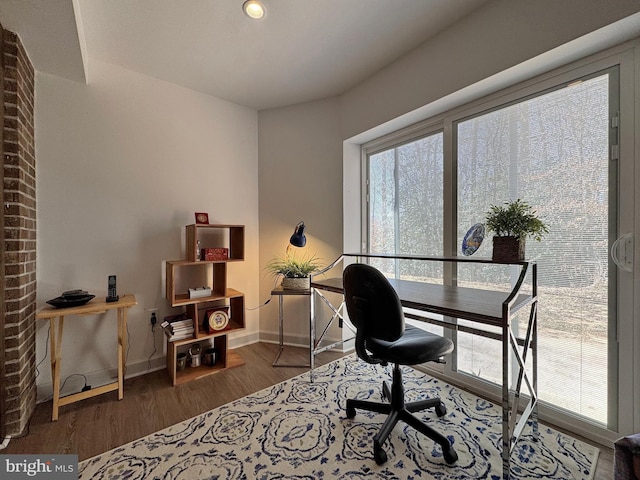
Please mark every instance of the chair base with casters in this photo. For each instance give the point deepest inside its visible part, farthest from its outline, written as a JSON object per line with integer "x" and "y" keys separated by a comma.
{"x": 382, "y": 337}
{"x": 398, "y": 410}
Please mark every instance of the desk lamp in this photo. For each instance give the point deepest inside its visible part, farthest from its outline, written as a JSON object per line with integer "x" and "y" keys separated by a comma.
{"x": 298, "y": 239}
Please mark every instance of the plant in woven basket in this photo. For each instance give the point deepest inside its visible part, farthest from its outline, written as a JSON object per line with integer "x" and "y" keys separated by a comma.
{"x": 512, "y": 223}
{"x": 292, "y": 267}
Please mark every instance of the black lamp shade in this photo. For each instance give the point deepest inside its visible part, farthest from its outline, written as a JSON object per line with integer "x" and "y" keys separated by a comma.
{"x": 298, "y": 239}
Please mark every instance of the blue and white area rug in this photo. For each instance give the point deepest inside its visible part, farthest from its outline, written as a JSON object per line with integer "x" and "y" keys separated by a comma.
{"x": 299, "y": 430}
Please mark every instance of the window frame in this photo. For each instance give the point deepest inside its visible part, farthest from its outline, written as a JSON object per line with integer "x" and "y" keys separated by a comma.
{"x": 627, "y": 413}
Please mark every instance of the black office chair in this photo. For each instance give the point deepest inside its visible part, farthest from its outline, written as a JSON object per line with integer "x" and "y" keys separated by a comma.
{"x": 382, "y": 337}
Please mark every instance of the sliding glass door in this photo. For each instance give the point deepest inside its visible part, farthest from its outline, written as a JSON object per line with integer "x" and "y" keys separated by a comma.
{"x": 553, "y": 151}
{"x": 555, "y": 145}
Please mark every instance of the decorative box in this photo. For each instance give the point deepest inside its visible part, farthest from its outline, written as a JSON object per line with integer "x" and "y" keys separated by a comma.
{"x": 215, "y": 254}
{"x": 199, "y": 292}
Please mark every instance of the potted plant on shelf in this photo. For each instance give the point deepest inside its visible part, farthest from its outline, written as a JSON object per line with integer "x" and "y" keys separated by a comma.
{"x": 295, "y": 271}
{"x": 512, "y": 224}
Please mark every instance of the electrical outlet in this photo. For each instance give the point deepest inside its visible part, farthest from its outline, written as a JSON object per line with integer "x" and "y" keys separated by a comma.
{"x": 153, "y": 315}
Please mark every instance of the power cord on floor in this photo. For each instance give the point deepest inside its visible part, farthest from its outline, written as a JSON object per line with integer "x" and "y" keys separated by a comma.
{"x": 84, "y": 388}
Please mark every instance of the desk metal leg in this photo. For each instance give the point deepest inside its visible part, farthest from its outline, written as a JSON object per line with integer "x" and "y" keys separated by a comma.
{"x": 506, "y": 411}
{"x": 512, "y": 426}
{"x": 312, "y": 332}
{"x": 281, "y": 337}
{"x": 314, "y": 339}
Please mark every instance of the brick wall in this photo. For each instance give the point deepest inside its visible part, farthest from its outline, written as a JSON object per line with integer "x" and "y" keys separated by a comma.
{"x": 19, "y": 185}
{"x": 3, "y": 430}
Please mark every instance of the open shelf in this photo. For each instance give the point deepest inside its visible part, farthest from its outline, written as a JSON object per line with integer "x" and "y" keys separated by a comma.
{"x": 216, "y": 236}
{"x": 181, "y": 275}
{"x": 194, "y": 373}
{"x": 182, "y": 299}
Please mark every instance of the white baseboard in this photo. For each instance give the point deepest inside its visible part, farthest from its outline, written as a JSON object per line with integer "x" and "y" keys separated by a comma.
{"x": 288, "y": 340}
{"x": 73, "y": 383}
{"x": 303, "y": 341}
{"x": 242, "y": 340}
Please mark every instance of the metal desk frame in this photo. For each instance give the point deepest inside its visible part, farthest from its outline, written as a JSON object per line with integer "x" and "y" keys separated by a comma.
{"x": 482, "y": 307}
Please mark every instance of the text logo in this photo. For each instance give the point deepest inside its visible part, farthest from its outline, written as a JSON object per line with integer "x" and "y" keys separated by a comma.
{"x": 52, "y": 467}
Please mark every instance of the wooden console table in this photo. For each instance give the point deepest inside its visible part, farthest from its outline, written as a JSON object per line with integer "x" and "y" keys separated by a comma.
{"x": 56, "y": 322}
{"x": 490, "y": 314}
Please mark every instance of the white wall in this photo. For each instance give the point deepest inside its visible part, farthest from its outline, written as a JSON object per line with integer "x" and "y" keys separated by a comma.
{"x": 493, "y": 39}
{"x": 300, "y": 180}
{"x": 123, "y": 164}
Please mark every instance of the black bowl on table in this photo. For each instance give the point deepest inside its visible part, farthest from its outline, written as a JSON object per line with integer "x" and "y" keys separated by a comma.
{"x": 71, "y": 298}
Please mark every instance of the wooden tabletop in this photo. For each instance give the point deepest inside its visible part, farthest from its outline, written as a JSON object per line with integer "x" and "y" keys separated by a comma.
{"x": 291, "y": 291}
{"x": 94, "y": 306}
{"x": 483, "y": 306}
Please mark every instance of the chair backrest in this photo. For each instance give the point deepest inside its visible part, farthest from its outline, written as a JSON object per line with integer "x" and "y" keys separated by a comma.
{"x": 372, "y": 303}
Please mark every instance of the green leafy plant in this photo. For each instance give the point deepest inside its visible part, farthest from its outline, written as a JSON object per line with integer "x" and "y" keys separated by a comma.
{"x": 516, "y": 219}
{"x": 291, "y": 267}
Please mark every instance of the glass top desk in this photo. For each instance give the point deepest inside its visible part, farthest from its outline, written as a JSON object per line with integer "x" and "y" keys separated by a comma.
{"x": 487, "y": 313}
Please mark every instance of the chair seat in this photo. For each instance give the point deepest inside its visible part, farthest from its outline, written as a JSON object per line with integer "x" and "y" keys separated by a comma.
{"x": 413, "y": 347}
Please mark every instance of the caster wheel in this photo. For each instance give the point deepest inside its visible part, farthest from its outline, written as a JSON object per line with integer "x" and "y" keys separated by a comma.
{"x": 351, "y": 412}
{"x": 379, "y": 455}
{"x": 441, "y": 409}
{"x": 386, "y": 392}
{"x": 450, "y": 455}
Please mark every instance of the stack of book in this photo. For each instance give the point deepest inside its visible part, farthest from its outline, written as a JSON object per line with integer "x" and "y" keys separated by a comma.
{"x": 178, "y": 329}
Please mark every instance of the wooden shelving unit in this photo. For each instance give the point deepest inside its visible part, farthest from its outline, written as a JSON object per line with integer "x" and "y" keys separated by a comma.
{"x": 184, "y": 274}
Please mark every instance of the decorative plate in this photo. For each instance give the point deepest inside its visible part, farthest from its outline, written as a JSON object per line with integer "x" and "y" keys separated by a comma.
{"x": 70, "y": 301}
{"x": 473, "y": 239}
{"x": 202, "y": 218}
{"x": 218, "y": 320}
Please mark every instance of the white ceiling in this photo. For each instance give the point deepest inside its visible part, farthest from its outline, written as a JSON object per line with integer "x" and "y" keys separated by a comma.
{"x": 302, "y": 50}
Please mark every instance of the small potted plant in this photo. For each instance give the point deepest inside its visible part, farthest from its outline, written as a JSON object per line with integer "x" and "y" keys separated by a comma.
{"x": 295, "y": 271}
{"x": 512, "y": 224}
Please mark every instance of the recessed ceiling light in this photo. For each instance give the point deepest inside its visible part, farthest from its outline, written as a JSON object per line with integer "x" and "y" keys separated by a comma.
{"x": 253, "y": 9}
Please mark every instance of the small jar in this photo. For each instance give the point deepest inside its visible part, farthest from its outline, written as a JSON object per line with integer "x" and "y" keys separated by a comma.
{"x": 210, "y": 356}
{"x": 194, "y": 354}
{"x": 181, "y": 361}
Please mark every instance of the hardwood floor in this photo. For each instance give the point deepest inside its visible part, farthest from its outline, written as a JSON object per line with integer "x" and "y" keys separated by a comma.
{"x": 150, "y": 403}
